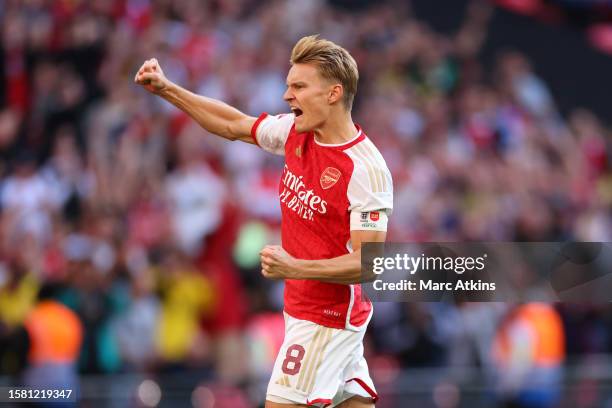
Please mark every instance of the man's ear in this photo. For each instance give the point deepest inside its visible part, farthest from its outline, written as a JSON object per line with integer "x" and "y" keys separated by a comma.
{"x": 335, "y": 94}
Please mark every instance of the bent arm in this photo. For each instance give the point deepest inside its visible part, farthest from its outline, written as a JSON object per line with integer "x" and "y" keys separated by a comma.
{"x": 344, "y": 269}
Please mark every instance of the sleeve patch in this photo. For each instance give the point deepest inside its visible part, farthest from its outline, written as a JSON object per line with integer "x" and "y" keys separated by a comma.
{"x": 369, "y": 220}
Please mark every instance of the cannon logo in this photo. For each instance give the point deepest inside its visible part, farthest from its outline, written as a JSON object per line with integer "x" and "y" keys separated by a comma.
{"x": 329, "y": 177}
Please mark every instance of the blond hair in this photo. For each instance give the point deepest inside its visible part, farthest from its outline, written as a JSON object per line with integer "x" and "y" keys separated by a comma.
{"x": 334, "y": 63}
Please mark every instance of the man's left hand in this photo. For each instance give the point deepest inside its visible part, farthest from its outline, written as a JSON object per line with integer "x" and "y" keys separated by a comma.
{"x": 276, "y": 263}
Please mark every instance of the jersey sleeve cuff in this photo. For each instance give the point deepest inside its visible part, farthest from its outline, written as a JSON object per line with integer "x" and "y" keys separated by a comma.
{"x": 369, "y": 220}
{"x": 256, "y": 126}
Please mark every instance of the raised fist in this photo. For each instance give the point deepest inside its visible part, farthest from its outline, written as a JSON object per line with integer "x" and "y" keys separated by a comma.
{"x": 151, "y": 76}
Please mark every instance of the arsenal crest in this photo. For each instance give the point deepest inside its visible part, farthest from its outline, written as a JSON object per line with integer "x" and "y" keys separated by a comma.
{"x": 329, "y": 177}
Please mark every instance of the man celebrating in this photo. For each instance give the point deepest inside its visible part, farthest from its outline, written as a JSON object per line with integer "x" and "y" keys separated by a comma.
{"x": 335, "y": 192}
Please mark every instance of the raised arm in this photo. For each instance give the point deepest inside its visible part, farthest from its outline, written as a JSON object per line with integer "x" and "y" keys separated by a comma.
{"x": 215, "y": 116}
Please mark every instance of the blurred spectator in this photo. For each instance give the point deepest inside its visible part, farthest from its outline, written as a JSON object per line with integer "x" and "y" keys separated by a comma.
{"x": 187, "y": 296}
{"x": 27, "y": 200}
{"x": 528, "y": 352}
{"x": 195, "y": 193}
{"x": 18, "y": 292}
{"x": 55, "y": 335}
{"x": 136, "y": 327}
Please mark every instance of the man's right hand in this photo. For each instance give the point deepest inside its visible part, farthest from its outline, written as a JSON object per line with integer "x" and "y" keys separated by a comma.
{"x": 151, "y": 77}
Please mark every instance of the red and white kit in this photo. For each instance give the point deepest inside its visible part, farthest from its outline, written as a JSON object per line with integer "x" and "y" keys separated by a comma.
{"x": 325, "y": 192}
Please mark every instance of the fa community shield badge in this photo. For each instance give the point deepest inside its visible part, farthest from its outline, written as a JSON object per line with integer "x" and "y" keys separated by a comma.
{"x": 329, "y": 177}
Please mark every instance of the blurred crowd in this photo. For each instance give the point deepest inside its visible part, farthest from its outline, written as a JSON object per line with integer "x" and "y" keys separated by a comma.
{"x": 118, "y": 210}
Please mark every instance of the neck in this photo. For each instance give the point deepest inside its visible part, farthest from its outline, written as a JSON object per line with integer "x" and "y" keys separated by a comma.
{"x": 337, "y": 129}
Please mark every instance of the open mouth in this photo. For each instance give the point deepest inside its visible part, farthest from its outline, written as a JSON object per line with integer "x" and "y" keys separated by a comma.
{"x": 297, "y": 112}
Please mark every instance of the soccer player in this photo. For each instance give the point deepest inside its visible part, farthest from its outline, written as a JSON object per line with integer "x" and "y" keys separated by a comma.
{"x": 335, "y": 192}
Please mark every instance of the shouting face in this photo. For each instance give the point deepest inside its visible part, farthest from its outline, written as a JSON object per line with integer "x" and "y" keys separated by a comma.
{"x": 309, "y": 96}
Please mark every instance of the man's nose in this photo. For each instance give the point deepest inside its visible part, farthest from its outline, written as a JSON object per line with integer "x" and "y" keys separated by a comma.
{"x": 288, "y": 95}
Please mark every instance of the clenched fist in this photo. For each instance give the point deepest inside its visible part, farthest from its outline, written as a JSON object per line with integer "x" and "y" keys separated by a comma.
{"x": 276, "y": 263}
{"x": 151, "y": 76}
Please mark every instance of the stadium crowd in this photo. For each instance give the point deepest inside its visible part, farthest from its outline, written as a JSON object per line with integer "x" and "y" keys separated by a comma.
{"x": 119, "y": 207}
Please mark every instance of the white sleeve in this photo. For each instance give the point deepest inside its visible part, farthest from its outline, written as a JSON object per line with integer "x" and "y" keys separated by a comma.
{"x": 271, "y": 132}
{"x": 370, "y": 195}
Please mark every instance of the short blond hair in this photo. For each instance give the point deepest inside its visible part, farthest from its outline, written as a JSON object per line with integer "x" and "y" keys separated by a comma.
{"x": 334, "y": 63}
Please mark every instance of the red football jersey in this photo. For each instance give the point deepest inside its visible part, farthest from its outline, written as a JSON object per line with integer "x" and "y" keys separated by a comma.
{"x": 325, "y": 192}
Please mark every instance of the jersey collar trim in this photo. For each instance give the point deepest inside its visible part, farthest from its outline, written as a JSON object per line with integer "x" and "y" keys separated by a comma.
{"x": 349, "y": 143}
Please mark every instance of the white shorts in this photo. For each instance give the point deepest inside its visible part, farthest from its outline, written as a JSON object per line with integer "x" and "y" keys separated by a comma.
{"x": 319, "y": 366}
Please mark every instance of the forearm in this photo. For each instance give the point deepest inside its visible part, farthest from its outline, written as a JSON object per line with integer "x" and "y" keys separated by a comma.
{"x": 344, "y": 269}
{"x": 213, "y": 115}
